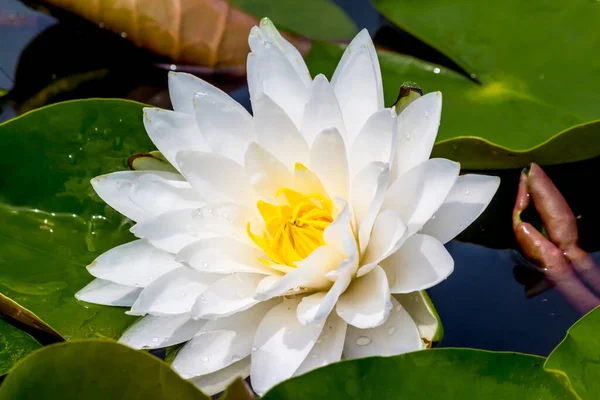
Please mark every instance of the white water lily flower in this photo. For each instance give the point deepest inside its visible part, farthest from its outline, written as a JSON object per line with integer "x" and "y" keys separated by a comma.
{"x": 278, "y": 244}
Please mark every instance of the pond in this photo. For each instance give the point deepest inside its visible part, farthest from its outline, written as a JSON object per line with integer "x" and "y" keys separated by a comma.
{"x": 482, "y": 304}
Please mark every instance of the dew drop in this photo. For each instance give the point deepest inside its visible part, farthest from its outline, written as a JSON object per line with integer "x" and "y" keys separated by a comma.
{"x": 296, "y": 288}
{"x": 123, "y": 35}
{"x": 254, "y": 348}
{"x": 391, "y": 331}
{"x": 436, "y": 70}
{"x": 467, "y": 192}
{"x": 426, "y": 114}
{"x": 155, "y": 339}
{"x": 363, "y": 341}
{"x": 173, "y": 67}
{"x": 205, "y": 359}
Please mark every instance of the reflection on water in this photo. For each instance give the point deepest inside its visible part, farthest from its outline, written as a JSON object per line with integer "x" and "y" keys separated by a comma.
{"x": 482, "y": 306}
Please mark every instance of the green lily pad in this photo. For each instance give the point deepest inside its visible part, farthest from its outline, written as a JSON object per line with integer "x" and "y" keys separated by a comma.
{"x": 430, "y": 374}
{"x": 52, "y": 224}
{"x": 576, "y": 359}
{"x": 535, "y": 70}
{"x": 14, "y": 346}
{"x": 316, "y": 19}
{"x": 92, "y": 369}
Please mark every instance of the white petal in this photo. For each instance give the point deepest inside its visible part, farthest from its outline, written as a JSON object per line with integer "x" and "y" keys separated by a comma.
{"x": 277, "y": 133}
{"x": 172, "y": 132}
{"x": 366, "y": 303}
{"x": 273, "y": 75}
{"x": 216, "y": 178}
{"x": 183, "y": 87}
{"x": 367, "y": 192}
{"x": 223, "y": 255}
{"x": 108, "y": 293}
{"x": 114, "y": 189}
{"x": 174, "y": 230}
{"x": 418, "y": 194}
{"x": 322, "y": 111}
{"x": 310, "y": 273}
{"x": 339, "y": 233}
{"x": 389, "y": 231}
{"x": 173, "y": 293}
{"x": 417, "y": 129}
{"x": 468, "y": 198}
{"x": 155, "y": 332}
{"x": 375, "y": 142}
{"x": 328, "y": 160}
{"x": 170, "y": 231}
{"x": 317, "y": 307}
{"x": 227, "y": 296}
{"x": 217, "y": 382}
{"x": 289, "y": 51}
{"x": 282, "y": 344}
{"x": 220, "y": 343}
{"x": 398, "y": 335}
{"x": 158, "y": 194}
{"x": 306, "y": 181}
{"x": 135, "y": 264}
{"x": 265, "y": 172}
{"x": 225, "y": 125}
{"x": 357, "y": 83}
{"x": 328, "y": 347}
{"x": 422, "y": 262}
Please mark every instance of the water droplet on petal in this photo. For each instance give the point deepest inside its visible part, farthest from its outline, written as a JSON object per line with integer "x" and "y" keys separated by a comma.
{"x": 363, "y": 341}
{"x": 391, "y": 331}
{"x": 205, "y": 359}
{"x": 467, "y": 192}
{"x": 254, "y": 348}
{"x": 155, "y": 339}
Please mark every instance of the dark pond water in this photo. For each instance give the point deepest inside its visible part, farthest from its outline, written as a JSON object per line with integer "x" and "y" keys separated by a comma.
{"x": 482, "y": 305}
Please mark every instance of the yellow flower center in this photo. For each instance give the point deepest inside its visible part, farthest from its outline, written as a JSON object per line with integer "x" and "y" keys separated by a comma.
{"x": 292, "y": 230}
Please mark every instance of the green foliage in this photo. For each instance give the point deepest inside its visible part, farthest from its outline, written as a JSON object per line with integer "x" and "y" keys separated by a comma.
{"x": 14, "y": 345}
{"x": 577, "y": 357}
{"x": 53, "y": 224}
{"x": 93, "y": 369}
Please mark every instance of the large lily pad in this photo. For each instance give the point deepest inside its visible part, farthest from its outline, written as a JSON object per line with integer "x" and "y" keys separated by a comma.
{"x": 14, "y": 346}
{"x": 52, "y": 224}
{"x": 92, "y": 370}
{"x": 430, "y": 374}
{"x": 577, "y": 358}
{"x": 535, "y": 74}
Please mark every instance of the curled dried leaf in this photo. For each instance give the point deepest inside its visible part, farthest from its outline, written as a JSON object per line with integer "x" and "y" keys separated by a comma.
{"x": 553, "y": 254}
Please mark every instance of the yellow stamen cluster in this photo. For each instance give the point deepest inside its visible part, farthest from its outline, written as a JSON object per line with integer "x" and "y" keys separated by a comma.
{"x": 292, "y": 230}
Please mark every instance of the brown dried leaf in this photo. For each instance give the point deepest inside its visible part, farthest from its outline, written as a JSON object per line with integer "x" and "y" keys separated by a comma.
{"x": 209, "y": 33}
